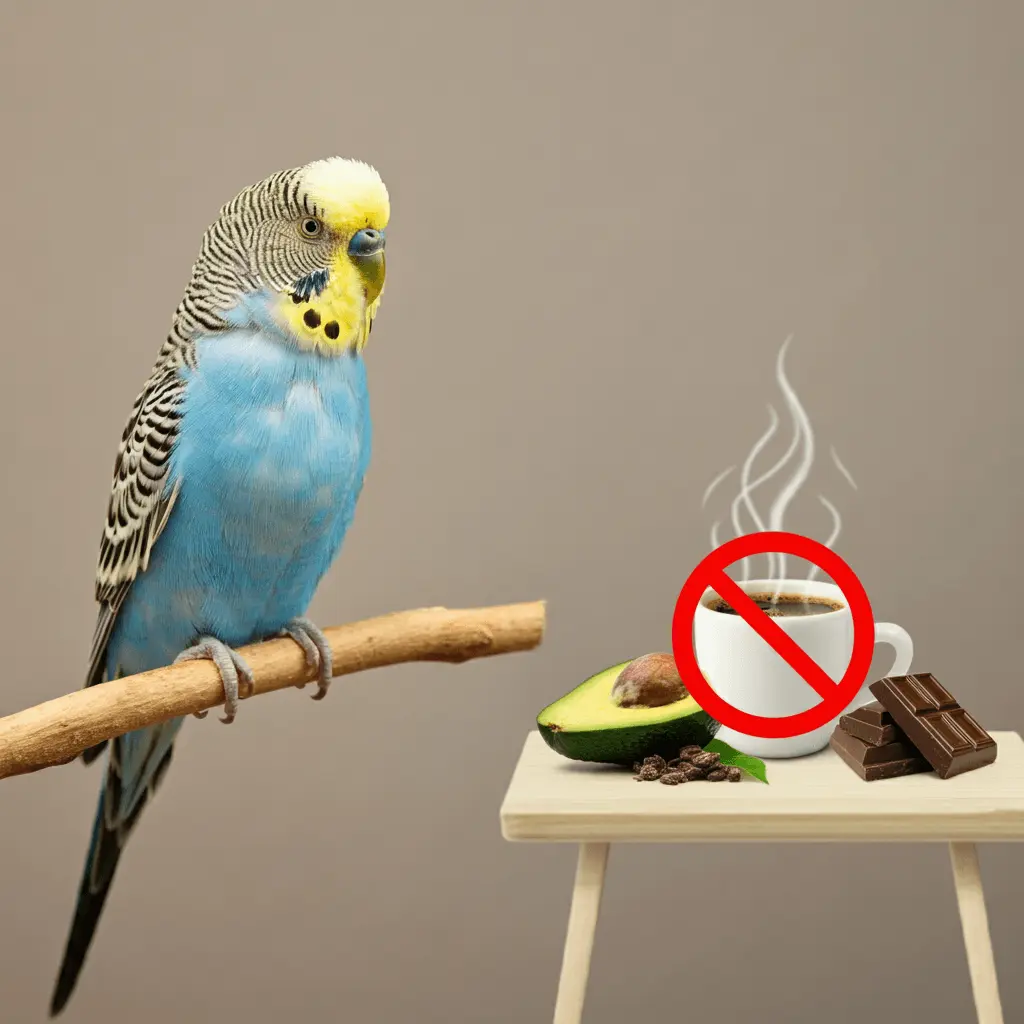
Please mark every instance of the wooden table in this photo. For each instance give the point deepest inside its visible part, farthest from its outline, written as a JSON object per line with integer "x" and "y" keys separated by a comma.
{"x": 813, "y": 799}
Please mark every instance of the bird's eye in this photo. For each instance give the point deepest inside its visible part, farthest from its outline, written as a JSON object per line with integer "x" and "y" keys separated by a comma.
{"x": 311, "y": 227}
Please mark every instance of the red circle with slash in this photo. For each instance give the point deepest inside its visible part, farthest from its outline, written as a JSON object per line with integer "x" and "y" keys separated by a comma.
{"x": 835, "y": 697}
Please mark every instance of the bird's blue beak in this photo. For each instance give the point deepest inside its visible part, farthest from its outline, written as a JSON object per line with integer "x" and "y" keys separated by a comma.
{"x": 366, "y": 250}
{"x": 366, "y": 243}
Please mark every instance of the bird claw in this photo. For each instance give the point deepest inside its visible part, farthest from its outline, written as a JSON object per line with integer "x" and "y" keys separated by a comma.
{"x": 316, "y": 649}
{"x": 233, "y": 669}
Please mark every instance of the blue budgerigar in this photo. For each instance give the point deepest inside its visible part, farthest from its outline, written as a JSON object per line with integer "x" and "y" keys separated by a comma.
{"x": 238, "y": 471}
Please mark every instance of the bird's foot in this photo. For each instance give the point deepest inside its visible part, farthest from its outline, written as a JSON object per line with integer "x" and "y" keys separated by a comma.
{"x": 316, "y": 649}
{"x": 232, "y": 667}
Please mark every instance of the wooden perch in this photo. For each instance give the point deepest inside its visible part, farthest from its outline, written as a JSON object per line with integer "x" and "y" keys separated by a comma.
{"x": 58, "y": 731}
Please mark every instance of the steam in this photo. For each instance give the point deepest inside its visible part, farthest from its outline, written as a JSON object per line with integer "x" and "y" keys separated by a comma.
{"x": 842, "y": 469}
{"x": 801, "y": 449}
{"x": 714, "y": 483}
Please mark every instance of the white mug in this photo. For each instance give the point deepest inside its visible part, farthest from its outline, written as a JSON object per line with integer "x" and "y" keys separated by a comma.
{"x": 748, "y": 673}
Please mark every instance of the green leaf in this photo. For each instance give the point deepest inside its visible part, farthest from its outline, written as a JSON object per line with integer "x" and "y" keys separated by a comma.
{"x": 753, "y": 766}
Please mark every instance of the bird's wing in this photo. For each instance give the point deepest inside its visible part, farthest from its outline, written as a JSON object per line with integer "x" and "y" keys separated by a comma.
{"x": 141, "y": 500}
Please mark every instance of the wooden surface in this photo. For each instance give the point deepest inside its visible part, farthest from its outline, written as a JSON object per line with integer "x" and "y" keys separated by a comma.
{"x": 59, "y": 730}
{"x": 808, "y": 798}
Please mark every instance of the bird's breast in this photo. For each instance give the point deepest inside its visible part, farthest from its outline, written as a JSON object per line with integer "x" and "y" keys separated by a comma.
{"x": 272, "y": 438}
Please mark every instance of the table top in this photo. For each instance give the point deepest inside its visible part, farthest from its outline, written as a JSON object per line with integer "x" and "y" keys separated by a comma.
{"x": 813, "y": 798}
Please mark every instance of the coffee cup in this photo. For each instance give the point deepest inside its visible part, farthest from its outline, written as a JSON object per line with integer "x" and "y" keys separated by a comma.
{"x": 750, "y": 675}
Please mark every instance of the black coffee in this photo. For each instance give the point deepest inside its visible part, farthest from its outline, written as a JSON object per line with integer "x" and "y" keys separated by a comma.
{"x": 778, "y": 605}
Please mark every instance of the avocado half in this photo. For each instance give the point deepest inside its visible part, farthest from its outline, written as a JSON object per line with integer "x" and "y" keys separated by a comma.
{"x": 586, "y": 725}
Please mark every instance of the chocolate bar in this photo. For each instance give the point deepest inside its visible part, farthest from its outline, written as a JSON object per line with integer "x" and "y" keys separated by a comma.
{"x": 951, "y": 740}
{"x": 872, "y": 724}
{"x": 888, "y": 761}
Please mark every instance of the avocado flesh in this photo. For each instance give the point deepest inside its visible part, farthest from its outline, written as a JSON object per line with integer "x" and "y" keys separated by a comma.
{"x": 587, "y": 725}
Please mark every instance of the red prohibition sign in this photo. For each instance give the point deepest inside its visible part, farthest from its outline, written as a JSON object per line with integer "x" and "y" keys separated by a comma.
{"x": 835, "y": 697}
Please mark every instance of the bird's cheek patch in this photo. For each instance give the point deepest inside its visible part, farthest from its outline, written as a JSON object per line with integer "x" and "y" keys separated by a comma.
{"x": 331, "y": 317}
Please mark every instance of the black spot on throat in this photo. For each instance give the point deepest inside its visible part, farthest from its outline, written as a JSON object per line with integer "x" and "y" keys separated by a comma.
{"x": 331, "y": 329}
{"x": 311, "y": 318}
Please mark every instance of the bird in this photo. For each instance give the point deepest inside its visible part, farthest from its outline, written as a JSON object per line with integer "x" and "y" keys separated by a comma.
{"x": 237, "y": 474}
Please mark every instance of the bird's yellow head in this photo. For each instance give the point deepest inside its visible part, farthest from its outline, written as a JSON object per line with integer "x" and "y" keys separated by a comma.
{"x": 345, "y": 211}
{"x": 303, "y": 248}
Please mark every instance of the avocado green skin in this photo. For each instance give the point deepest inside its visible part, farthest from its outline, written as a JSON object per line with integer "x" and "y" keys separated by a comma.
{"x": 630, "y": 743}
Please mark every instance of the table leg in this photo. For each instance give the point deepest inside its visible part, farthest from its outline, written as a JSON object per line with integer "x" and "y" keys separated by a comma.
{"x": 579, "y": 937}
{"x": 977, "y": 940}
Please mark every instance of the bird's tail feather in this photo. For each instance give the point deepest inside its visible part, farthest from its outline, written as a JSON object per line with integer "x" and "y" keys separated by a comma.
{"x": 100, "y": 865}
{"x": 114, "y": 821}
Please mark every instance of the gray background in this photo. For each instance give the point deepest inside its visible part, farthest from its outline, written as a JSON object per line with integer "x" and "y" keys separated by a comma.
{"x": 605, "y": 221}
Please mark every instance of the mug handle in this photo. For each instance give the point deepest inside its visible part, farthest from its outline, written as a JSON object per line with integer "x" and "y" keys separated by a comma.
{"x": 898, "y": 638}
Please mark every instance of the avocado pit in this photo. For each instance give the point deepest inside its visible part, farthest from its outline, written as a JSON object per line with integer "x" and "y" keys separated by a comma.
{"x": 651, "y": 681}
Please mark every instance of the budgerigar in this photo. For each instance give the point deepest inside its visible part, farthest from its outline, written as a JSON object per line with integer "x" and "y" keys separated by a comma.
{"x": 239, "y": 469}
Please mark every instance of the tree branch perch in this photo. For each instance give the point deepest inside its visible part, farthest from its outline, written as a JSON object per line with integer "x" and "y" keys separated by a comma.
{"x": 57, "y": 731}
